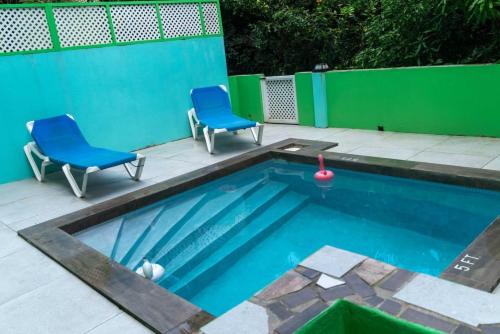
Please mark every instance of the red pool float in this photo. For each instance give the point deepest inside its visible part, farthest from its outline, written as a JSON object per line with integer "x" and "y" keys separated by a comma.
{"x": 323, "y": 174}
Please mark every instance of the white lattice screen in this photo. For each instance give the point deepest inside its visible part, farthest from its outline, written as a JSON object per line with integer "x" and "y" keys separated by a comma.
{"x": 50, "y": 27}
{"x": 280, "y": 102}
{"x": 78, "y": 26}
{"x": 24, "y": 29}
{"x": 135, "y": 22}
{"x": 211, "y": 17}
{"x": 180, "y": 20}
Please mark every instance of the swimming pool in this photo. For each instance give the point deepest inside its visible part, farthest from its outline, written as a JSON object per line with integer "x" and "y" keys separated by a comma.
{"x": 224, "y": 240}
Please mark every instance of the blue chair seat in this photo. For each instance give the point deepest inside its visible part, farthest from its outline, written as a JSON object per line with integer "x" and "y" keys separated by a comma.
{"x": 61, "y": 140}
{"x": 89, "y": 156}
{"x": 229, "y": 122}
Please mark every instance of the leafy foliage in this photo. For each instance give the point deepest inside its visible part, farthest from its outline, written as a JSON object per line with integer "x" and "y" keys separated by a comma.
{"x": 286, "y": 36}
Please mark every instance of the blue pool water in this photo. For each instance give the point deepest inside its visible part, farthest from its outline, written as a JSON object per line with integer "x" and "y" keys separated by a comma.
{"x": 223, "y": 241}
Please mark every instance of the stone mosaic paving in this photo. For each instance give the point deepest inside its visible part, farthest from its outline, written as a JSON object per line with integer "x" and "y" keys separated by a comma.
{"x": 298, "y": 296}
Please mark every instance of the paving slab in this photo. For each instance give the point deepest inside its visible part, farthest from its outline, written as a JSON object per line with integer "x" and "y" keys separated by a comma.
{"x": 372, "y": 271}
{"x": 428, "y": 320}
{"x": 333, "y": 261}
{"x": 299, "y": 320}
{"x": 386, "y": 152}
{"x": 453, "y": 300}
{"x": 250, "y": 319}
{"x": 122, "y": 323}
{"x": 469, "y": 145}
{"x": 290, "y": 282}
{"x": 454, "y": 159}
{"x": 9, "y": 241}
{"x": 327, "y": 282}
{"x": 493, "y": 164}
{"x": 26, "y": 270}
{"x": 63, "y": 306}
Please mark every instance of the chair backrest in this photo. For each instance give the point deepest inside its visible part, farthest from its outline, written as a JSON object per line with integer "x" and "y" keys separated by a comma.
{"x": 56, "y": 134}
{"x": 210, "y": 101}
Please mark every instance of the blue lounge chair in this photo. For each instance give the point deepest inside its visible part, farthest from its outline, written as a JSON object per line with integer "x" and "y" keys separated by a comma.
{"x": 58, "y": 140}
{"x": 212, "y": 112}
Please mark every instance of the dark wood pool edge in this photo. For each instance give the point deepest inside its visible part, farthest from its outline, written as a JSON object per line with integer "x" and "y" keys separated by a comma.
{"x": 164, "y": 312}
{"x": 478, "y": 266}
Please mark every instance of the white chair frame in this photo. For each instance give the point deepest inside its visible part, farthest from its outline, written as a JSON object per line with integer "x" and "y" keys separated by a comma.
{"x": 31, "y": 149}
{"x": 209, "y": 134}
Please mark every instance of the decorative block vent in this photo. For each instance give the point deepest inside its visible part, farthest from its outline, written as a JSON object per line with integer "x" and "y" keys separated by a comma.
{"x": 135, "y": 22}
{"x": 211, "y": 17}
{"x": 24, "y": 29}
{"x": 79, "y": 26}
{"x": 180, "y": 20}
{"x": 280, "y": 102}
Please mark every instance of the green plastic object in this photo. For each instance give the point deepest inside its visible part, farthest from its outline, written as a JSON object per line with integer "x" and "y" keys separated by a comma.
{"x": 345, "y": 317}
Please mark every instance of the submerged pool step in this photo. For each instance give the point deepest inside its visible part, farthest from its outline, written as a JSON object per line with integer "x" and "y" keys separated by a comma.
{"x": 214, "y": 206}
{"x": 252, "y": 234}
{"x": 164, "y": 225}
{"x": 132, "y": 226}
{"x": 196, "y": 248}
{"x": 102, "y": 237}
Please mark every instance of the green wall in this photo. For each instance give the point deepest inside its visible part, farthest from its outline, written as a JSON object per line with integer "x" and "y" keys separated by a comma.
{"x": 305, "y": 99}
{"x": 123, "y": 97}
{"x": 456, "y": 100}
{"x": 246, "y": 96}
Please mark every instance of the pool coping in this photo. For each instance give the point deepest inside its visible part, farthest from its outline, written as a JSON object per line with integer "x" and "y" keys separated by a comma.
{"x": 165, "y": 312}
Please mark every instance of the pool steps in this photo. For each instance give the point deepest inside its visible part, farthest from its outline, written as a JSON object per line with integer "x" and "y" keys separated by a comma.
{"x": 260, "y": 228}
{"x": 198, "y": 247}
{"x": 166, "y": 223}
{"x": 102, "y": 237}
{"x": 208, "y": 215}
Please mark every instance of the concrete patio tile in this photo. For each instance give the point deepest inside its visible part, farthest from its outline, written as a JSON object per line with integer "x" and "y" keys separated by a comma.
{"x": 26, "y": 270}
{"x": 122, "y": 323}
{"x": 414, "y": 141}
{"x": 344, "y": 147}
{"x": 333, "y": 261}
{"x": 9, "y": 241}
{"x": 246, "y": 318}
{"x": 452, "y": 300}
{"x": 356, "y": 136}
{"x": 385, "y": 152}
{"x": 64, "y": 306}
{"x": 469, "y": 145}
{"x": 464, "y": 160}
{"x": 493, "y": 164}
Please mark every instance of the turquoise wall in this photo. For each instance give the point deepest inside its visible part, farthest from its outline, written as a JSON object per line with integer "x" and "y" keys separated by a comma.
{"x": 124, "y": 97}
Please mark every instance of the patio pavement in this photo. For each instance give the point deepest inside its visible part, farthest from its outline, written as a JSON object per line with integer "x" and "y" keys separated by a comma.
{"x": 38, "y": 296}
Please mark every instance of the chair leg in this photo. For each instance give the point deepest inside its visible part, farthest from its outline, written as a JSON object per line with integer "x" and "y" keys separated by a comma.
{"x": 193, "y": 124}
{"x": 209, "y": 139}
{"x": 136, "y": 176}
{"x": 72, "y": 182}
{"x": 257, "y": 137}
{"x": 29, "y": 149}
